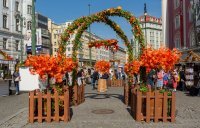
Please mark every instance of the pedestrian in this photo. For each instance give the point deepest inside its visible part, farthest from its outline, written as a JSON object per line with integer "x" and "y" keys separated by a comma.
{"x": 182, "y": 79}
{"x": 165, "y": 79}
{"x": 80, "y": 76}
{"x": 175, "y": 79}
{"x": 160, "y": 78}
{"x": 17, "y": 78}
{"x": 95, "y": 77}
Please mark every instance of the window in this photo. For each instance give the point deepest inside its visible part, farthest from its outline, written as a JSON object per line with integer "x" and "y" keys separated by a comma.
{"x": 5, "y": 43}
{"x": 4, "y": 21}
{"x": 54, "y": 43}
{"x": 54, "y": 36}
{"x": 17, "y": 6}
{"x": 17, "y": 45}
{"x": 55, "y": 50}
{"x": 190, "y": 14}
{"x": 17, "y": 24}
{"x": 29, "y": 23}
{"x": 5, "y": 3}
{"x": 177, "y": 42}
{"x": 176, "y": 3}
{"x": 177, "y": 21}
{"x": 29, "y": 9}
{"x": 68, "y": 49}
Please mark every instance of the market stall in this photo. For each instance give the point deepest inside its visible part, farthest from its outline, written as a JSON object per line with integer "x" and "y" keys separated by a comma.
{"x": 5, "y": 73}
{"x": 191, "y": 64}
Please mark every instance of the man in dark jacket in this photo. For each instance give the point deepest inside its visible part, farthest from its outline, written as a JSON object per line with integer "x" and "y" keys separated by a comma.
{"x": 95, "y": 77}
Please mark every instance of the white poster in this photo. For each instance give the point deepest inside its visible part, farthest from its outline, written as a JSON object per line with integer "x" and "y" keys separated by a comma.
{"x": 28, "y": 81}
{"x": 38, "y": 37}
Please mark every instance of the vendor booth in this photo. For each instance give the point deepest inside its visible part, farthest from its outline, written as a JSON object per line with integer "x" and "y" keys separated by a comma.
{"x": 5, "y": 73}
{"x": 191, "y": 64}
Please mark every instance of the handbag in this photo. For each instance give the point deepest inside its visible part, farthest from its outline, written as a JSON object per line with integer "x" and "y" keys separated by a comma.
{"x": 17, "y": 78}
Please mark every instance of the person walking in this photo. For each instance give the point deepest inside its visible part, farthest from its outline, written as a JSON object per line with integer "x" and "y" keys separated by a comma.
{"x": 95, "y": 77}
{"x": 17, "y": 78}
{"x": 160, "y": 78}
{"x": 175, "y": 79}
{"x": 182, "y": 79}
{"x": 165, "y": 79}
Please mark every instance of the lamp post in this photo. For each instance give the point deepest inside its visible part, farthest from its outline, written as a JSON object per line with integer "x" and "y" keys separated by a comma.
{"x": 145, "y": 20}
{"x": 90, "y": 50}
{"x": 33, "y": 30}
{"x": 22, "y": 41}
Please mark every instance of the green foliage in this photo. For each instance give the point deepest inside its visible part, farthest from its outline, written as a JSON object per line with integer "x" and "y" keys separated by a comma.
{"x": 143, "y": 88}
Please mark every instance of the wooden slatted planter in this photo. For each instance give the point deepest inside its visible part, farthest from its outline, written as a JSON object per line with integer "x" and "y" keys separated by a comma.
{"x": 116, "y": 83}
{"x": 77, "y": 94}
{"x": 153, "y": 106}
{"x": 127, "y": 90}
{"x": 47, "y": 107}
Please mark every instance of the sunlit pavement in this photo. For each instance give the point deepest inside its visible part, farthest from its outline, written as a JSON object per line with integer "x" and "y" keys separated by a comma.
{"x": 187, "y": 114}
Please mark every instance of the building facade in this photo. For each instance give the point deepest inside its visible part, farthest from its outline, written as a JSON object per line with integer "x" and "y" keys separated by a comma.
{"x": 43, "y": 39}
{"x": 13, "y": 26}
{"x": 180, "y": 23}
{"x": 119, "y": 56}
{"x": 152, "y": 29}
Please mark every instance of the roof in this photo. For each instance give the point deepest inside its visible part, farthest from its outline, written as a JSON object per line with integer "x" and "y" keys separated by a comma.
{"x": 191, "y": 57}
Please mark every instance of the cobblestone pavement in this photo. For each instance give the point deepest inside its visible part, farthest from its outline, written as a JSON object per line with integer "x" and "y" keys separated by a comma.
{"x": 187, "y": 115}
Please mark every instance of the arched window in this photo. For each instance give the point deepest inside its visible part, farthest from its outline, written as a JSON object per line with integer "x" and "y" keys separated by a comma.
{"x": 29, "y": 25}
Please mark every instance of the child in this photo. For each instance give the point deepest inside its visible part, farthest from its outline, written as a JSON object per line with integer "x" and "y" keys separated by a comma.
{"x": 160, "y": 79}
{"x": 175, "y": 79}
{"x": 165, "y": 79}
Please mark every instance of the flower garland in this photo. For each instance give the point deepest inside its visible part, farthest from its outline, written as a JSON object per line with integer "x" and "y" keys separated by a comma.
{"x": 54, "y": 67}
{"x": 105, "y": 43}
{"x": 6, "y": 56}
{"x": 84, "y": 22}
{"x": 102, "y": 66}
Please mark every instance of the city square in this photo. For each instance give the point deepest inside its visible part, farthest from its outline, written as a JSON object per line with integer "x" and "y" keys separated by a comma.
{"x": 110, "y": 64}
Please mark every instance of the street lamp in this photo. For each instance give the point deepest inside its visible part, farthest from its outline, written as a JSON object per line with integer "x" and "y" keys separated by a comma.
{"x": 90, "y": 52}
{"x": 33, "y": 30}
{"x": 145, "y": 14}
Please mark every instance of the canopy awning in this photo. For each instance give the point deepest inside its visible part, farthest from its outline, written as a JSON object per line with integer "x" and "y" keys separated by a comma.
{"x": 7, "y": 61}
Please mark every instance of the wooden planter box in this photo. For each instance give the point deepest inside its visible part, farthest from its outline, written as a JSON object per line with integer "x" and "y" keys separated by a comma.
{"x": 116, "y": 83}
{"x": 47, "y": 107}
{"x": 127, "y": 90}
{"x": 77, "y": 94}
{"x": 153, "y": 105}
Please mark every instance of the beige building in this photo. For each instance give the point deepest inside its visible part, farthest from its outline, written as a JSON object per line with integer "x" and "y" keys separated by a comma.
{"x": 83, "y": 50}
{"x": 120, "y": 55}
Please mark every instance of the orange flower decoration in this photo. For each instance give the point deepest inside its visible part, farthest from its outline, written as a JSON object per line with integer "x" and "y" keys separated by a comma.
{"x": 54, "y": 67}
{"x": 102, "y": 66}
{"x": 132, "y": 67}
{"x": 161, "y": 58}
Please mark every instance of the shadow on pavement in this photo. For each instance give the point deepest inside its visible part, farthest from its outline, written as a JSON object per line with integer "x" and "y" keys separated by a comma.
{"x": 103, "y": 96}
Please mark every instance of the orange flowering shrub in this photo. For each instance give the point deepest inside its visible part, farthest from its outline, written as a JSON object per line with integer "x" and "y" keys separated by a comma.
{"x": 105, "y": 43}
{"x": 54, "y": 67}
{"x": 102, "y": 66}
{"x": 161, "y": 58}
{"x": 132, "y": 67}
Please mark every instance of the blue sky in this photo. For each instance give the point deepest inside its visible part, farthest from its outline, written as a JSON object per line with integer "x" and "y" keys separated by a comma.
{"x": 61, "y": 11}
